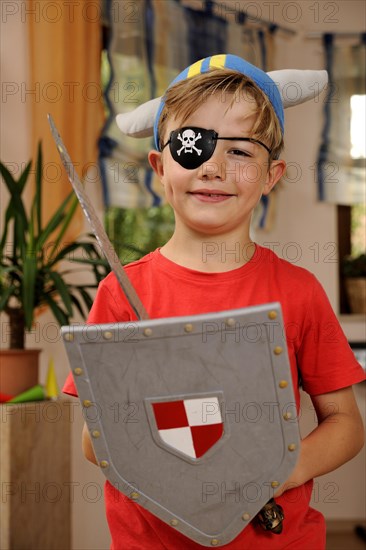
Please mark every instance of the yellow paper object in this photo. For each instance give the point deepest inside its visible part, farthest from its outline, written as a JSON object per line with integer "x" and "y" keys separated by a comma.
{"x": 52, "y": 389}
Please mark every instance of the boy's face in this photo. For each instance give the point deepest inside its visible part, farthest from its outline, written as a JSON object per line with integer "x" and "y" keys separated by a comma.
{"x": 219, "y": 196}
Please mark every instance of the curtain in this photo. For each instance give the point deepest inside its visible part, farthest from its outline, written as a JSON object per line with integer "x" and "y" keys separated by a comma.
{"x": 65, "y": 52}
{"x": 149, "y": 46}
{"x": 341, "y": 178}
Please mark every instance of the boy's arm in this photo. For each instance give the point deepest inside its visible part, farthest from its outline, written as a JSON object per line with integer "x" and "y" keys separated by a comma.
{"x": 338, "y": 437}
{"x": 87, "y": 446}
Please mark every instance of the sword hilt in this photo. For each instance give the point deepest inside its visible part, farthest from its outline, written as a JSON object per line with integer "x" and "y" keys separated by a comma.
{"x": 271, "y": 517}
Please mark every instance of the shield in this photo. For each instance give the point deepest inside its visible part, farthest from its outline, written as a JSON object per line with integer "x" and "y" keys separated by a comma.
{"x": 193, "y": 417}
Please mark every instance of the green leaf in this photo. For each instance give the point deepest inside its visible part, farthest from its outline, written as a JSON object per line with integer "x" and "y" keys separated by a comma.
{"x": 64, "y": 253}
{"x": 90, "y": 261}
{"x": 15, "y": 209}
{"x": 77, "y": 304}
{"x": 59, "y": 314}
{"x": 28, "y": 289}
{"x": 86, "y": 297}
{"x": 67, "y": 220}
{"x": 62, "y": 289}
{"x": 31, "y": 240}
{"x": 55, "y": 220}
{"x": 38, "y": 195}
{"x": 15, "y": 188}
{"x": 6, "y": 269}
{"x": 19, "y": 238}
{"x": 5, "y": 295}
{"x": 34, "y": 228}
{"x": 9, "y": 214}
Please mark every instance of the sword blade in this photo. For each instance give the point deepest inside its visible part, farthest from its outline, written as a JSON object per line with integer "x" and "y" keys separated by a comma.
{"x": 98, "y": 229}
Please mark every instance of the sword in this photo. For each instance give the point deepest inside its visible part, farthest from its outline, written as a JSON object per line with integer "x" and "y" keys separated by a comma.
{"x": 98, "y": 229}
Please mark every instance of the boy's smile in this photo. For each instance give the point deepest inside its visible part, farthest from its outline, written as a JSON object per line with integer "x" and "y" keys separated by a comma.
{"x": 210, "y": 195}
{"x": 218, "y": 196}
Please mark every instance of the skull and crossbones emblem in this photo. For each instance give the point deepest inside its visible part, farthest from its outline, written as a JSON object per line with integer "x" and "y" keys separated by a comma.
{"x": 188, "y": 140}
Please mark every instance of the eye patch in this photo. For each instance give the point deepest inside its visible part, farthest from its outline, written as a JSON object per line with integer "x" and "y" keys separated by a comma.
{"x": 192, "y": 146}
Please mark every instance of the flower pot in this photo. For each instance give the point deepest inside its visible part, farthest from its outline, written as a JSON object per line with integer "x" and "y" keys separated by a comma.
{"x": 356, "y": 293}
{"x": 18, "y": 370}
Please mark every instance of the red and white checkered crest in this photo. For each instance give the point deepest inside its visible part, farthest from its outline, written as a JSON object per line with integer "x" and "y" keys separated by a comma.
{"x": 190, "y": 426}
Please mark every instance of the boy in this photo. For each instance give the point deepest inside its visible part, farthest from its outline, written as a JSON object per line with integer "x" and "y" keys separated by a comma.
{"x": 219, "y": 135}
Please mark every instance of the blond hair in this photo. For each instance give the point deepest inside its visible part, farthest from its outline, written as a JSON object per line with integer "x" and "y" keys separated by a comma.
{"x": 183, "y": 99}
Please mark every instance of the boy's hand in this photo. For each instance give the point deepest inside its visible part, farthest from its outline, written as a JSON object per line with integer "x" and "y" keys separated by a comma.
{"x": 87, "y": 446}
{"x": 338, "y": 437}
{"x": 294, "y": 480}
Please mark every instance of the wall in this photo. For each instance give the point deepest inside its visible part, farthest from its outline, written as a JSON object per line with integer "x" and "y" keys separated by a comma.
{"x": 15, "y": 113}
{"x": 300, "y": 219}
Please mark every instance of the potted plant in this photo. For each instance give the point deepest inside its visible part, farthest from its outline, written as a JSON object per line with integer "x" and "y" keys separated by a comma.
{"x": 35, "y": 272}
{"x": 354, "y": 272}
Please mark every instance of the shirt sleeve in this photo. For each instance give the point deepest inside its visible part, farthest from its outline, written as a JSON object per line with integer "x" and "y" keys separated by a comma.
{"x": 106, "y": 309}
{"x": 325, "y": 360}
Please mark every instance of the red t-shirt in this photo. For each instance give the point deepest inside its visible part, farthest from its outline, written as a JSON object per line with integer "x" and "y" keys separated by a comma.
{"x": 318, "y": 352}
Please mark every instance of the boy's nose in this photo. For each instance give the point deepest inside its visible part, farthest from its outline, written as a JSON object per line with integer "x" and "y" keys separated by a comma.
{"x": 212, "y": 170}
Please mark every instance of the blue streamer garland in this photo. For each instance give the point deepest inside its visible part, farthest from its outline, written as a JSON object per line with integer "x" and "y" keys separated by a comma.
{"x": 328, "y": 41}
{"x": 149, "y": 47}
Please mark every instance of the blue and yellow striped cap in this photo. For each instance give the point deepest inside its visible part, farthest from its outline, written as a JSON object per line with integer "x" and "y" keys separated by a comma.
{"x": 228, "y": 61}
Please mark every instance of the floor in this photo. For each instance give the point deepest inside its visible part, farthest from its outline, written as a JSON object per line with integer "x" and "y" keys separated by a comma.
{"x": 346, "y": 541}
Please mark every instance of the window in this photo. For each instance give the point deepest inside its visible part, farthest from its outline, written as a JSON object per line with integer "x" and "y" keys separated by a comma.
{"x": 357, "y": 126}
{"x": 352, "y": 219}
{"x": 358, "y": 154}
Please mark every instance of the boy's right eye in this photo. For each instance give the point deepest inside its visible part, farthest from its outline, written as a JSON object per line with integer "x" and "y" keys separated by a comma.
{"x": 240, "y": 153}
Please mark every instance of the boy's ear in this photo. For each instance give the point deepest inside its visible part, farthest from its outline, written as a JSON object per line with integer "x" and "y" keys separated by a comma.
{"x": 275, "y": 173}
{"x": 156, "y": 162}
